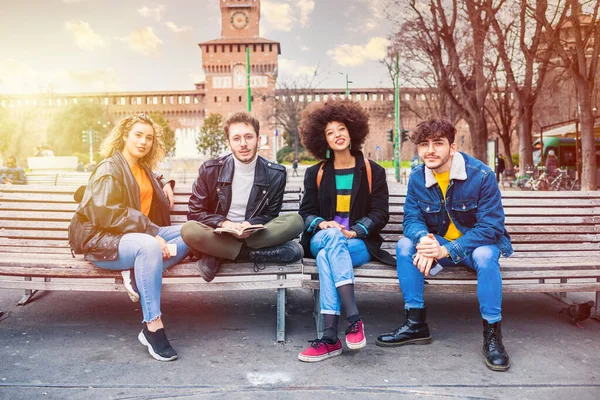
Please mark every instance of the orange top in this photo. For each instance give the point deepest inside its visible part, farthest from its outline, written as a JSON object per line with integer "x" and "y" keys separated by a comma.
{"x": 146, "y": 190}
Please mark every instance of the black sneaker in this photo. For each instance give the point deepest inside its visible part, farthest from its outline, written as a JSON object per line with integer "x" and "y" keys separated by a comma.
{"x": 130, "y": 286}
{"x": 158, "y": 344}
{"x": 208, "y": 266}
{"x": 288, "y": 252}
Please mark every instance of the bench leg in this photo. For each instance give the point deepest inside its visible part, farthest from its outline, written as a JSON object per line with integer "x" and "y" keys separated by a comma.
{"x": 596, "y": 314}
{"x": 29, "y": 293}
{"x": 281, "y": 312}
{"x": 319, "y": 322}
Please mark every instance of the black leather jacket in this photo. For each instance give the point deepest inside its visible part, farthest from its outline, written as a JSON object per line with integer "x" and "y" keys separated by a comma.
{"x": 110, "y": 207}
{"x": 211, "y": 193}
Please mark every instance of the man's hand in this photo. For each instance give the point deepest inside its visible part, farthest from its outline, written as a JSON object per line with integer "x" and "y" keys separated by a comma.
{"x": 424, "y": 263}
{"x": 349, "y": 234}
{"x": 429, "y": 247}
{"x": 331, "y": 224}
{"x": 163, "y": 245}
{"x": 238, "y": 227}
{"x": 169, "y": 193}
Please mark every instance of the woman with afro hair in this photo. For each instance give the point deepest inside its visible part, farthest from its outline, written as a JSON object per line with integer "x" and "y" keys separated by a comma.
{"x": 344, "y": 208}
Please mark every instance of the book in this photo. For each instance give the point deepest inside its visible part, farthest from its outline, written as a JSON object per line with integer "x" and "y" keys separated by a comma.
{"x": 246, "y": 229}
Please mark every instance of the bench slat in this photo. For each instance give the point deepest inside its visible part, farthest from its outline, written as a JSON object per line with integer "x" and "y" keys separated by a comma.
{"x": 198, "y": 286}
{"x": 471, "y": 288}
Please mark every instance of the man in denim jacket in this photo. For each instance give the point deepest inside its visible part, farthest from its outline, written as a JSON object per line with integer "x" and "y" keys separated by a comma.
{"x": 453, "y": 215}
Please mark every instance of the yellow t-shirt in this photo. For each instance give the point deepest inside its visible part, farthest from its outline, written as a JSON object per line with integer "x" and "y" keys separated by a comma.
{"x": 146, "y": 190}
{"x": 443, "y": 180}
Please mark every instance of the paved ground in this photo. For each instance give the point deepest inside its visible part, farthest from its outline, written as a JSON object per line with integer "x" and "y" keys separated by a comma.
{"x": 83, "y": 345}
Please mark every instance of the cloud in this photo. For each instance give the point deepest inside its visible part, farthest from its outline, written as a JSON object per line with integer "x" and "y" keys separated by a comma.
{"x": 366, "y": 26}
{"x": 84, "y": 35}
{"x": 178, "y": 29}
{"x": 277, "y": 15}
{"x": 293, "y": 68}
{"x": 21, "y": 78}
{"x": 103, "y": 79}
{"x": 305, "y": 7}
{"x": 354, "y": 55}
{"x": 155, "y": 12}
{"x": 144, "y": 41}
{"x": 16, "y": 77}
{"x": 284, "y": 16}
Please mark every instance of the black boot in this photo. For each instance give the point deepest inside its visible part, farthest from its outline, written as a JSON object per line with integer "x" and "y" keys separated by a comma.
{"x": 208, "y": 266}
{"x": 496, "y": 358}
{"x": 414, "y": 330}
{"x": 288, "y": 252}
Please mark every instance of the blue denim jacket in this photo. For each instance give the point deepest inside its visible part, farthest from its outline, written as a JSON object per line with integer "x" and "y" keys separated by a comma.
{"x": 473, "y": 201}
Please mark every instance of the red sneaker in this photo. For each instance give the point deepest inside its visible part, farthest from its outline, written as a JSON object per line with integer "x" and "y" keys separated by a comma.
{"x": 355, "y": 335}
{"x": 319, "y": 351}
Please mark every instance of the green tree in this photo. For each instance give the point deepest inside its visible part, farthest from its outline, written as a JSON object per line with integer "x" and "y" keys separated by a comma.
{"x": 168, "y": 133}
{"x": 212, "y": 137}
{"x": 7, "y": 129}
{"x": 67, "y": 131}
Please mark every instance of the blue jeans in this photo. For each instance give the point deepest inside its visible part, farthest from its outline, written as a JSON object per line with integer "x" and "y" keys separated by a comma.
{"x": 142, "y": 252}
{"x": 484, "y": 260}
{"x": 336, "y": 257}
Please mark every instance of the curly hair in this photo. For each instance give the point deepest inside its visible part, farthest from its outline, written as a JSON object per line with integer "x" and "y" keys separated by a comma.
{"x": 433, "y": 128}
{"x": 316, "y": 117}
{"x": 114, "y": 141}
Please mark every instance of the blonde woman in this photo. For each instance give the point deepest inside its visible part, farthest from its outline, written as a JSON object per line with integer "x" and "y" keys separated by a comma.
{"x": 123, "y": 221}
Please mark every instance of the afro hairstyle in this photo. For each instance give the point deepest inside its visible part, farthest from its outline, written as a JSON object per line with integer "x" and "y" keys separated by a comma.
{"x": 316, "y": 117}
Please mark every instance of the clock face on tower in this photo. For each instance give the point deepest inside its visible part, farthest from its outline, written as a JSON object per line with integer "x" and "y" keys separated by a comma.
{"x": 239, "y": 19}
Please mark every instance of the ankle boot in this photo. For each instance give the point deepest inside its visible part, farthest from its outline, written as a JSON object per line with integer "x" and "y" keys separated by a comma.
{"x": 414, "y": 330}
{"x": 496, "y": 358}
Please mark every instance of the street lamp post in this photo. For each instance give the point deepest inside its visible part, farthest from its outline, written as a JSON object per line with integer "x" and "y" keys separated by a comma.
{"x": 397, "y": 142}
{"x": 347, "y": 82}
{"x": 90, "y": 138}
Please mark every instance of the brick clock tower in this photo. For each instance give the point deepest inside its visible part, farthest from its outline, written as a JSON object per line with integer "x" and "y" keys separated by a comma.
{"x": 224, "y": 64}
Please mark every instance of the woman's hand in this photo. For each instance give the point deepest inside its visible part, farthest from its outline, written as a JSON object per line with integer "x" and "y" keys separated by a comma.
{"x": 331, "y": 224}
{"x": 169, "y": 193}
{"x": 163, "y": 246}
{"x": 349, "y": 234}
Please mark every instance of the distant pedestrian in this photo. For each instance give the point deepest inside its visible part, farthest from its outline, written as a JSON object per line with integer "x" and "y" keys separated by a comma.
{"x": 500, "y": 168}
{"x": 11, "y": 173}
{"x": 295, "y": 168}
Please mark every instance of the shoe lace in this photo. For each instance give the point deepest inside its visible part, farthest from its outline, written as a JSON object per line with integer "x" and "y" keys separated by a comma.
{"x": 258, "y": 267}
{"x": 353, "y": 327}
{"x": 316, "y": 343}
{"x": 264, "y": 256}
{"x": 494, "y": 341}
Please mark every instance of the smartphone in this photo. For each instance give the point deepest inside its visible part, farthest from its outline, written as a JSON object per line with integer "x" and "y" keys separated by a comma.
{"x": 435, "y": 269}
{"x": 172, "y": 249}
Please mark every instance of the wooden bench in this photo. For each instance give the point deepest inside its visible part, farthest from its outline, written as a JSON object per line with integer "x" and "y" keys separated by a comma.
{"x": 555, "y": 235}
{"x": 34, "y": 251}
{"x": 58, "y": 178}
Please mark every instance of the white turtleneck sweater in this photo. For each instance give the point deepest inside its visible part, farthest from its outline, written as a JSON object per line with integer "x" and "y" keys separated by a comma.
{"x": 243, "y": 179}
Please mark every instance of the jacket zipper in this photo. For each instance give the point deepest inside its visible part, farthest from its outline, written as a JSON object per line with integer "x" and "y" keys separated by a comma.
{"x": 260, "y": 204}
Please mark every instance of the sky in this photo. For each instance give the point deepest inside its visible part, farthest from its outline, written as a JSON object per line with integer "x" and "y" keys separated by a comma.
{"x": 66, "y": 46}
